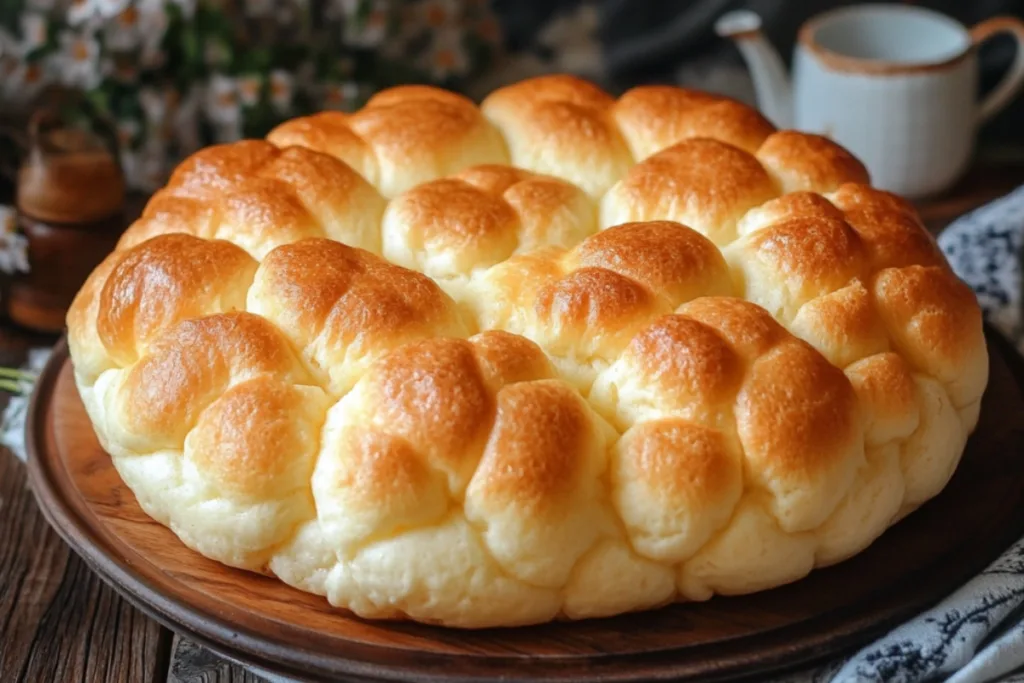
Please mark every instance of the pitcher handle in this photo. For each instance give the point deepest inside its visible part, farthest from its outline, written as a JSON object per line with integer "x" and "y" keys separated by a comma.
{"x": 1014, "y": 78}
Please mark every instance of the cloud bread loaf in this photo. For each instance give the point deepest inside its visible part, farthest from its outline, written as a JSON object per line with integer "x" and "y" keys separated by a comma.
{"x": 560, "y": 355}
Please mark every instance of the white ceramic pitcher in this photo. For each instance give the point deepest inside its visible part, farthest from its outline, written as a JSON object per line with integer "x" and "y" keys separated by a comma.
{"x": 895, "y": 84}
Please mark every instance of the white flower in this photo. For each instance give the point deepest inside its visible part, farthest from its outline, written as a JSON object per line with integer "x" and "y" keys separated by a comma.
{"x": 8, "y": 220}
{"x": 153, "y": 173}
{"x": 571, "y": 37}
{"x": 577, "y": 27}
{"x": 227, "y": 132}
{"x": 369, "y": 32}
{"x": 153, "y": 23}
{"x": 154, "y": 147}
{"x": 14, "y": 253}
{"x": 411, "y": 22}
{"x": 33, "y": 78}
{"x": 79, "y": 60}
{"x": 154, "y": 106}
{"x": 130, "y": 166}
{"x": 282, "y": 90}
{"x": 34, "y": 28}
{"x": 111, "y": 8}
{"x": 221, "y": 101}
{"x": 447, "y": 55}
{"x": 127, "y": 131}
{"x": 13, "y": 246}
{"x": 341, "y": 96}
{"x": 8, "y": 43}
{"x": 8, "y": 66}
{"x": 151, "y": 6}
{"x": 82, "y": 11}
{"x": 152, "y": 163}
{"x": 185, "y": 122}
{"x": 33, "y": 32}
{"x": 152, "y": 57}
{"x": 249, "y": 87}
{"x": 145, "y": 169}
{"x": 19, "y": 249}
{"x": 438, "y": 13}
{"x": 123, "y": 32}
{"x": 152, "y": 26}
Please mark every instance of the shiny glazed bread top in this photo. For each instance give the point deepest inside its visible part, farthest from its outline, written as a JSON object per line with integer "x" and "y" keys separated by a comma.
{"x": 559, "y": 355}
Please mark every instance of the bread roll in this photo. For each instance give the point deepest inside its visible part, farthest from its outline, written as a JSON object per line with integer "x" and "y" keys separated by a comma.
{"x": 559, "y": 356}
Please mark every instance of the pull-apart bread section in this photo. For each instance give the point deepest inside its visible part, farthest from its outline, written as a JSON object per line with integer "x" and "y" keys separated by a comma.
{"x": 560, "y": 355}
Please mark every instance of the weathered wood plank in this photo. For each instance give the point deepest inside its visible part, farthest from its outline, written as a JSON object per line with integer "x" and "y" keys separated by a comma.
{"x": 58, "y": 621}
{"x": 192, "y": 663}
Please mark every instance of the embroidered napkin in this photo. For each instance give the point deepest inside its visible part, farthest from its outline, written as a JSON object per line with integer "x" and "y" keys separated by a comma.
{"x": 976, "y": 635}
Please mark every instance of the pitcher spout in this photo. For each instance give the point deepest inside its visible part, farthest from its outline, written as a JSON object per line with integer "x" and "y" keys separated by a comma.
{"x": 771, "y": 83}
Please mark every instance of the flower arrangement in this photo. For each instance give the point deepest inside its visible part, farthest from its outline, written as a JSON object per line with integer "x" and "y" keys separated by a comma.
{"x": 174, "y": 75}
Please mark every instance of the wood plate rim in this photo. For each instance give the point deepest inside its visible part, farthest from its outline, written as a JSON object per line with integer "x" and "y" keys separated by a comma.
{"x": 730, "y": 659}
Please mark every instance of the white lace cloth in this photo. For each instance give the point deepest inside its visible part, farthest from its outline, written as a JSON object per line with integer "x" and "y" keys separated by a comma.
{"x": 976, "y": 635}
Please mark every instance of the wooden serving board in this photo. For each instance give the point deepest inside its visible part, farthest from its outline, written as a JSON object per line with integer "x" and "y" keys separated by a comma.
{"x": 264, "y": 623}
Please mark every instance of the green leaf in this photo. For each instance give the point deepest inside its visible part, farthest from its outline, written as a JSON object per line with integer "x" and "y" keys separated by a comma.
{"x": 18, "y": 373}
{"x": 99, "y": 98}
{"x": 13, "y": 387}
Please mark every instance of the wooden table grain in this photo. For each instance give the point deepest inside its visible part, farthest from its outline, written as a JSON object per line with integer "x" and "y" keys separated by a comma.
{"x": 59, "y": 622}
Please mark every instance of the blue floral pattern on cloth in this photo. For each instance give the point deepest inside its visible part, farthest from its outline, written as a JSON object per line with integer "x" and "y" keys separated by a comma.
{"x": 984, "y": 248}
{"x": 976, "y": 635}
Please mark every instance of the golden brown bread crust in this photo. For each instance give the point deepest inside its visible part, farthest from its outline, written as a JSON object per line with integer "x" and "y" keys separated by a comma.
{"x": 260, "y": 197}
{"x": 560, "y": 125}
{"x": 702, "y": 183}
{"x": 590, "y": 355}
{"x": 453, "y": 227}
{"x": 192, "y": 364}
{"x": 676, "y": 483}
{"x": 889, "y": 227}
{"x": 344, "y": 307}
{"x": 800, "y": 161}
{"x": 402, "y": 137}
{"x": 584, "y": 305}
{"x": 797, "y": 420}
{"x": 654, "y": 117}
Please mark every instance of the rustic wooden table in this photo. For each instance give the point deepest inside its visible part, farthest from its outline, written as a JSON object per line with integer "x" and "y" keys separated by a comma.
{"x": 59, "y": 622}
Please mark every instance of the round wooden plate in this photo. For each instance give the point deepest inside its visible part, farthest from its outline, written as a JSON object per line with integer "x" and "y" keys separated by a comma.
{"x": 263, "y": 622}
